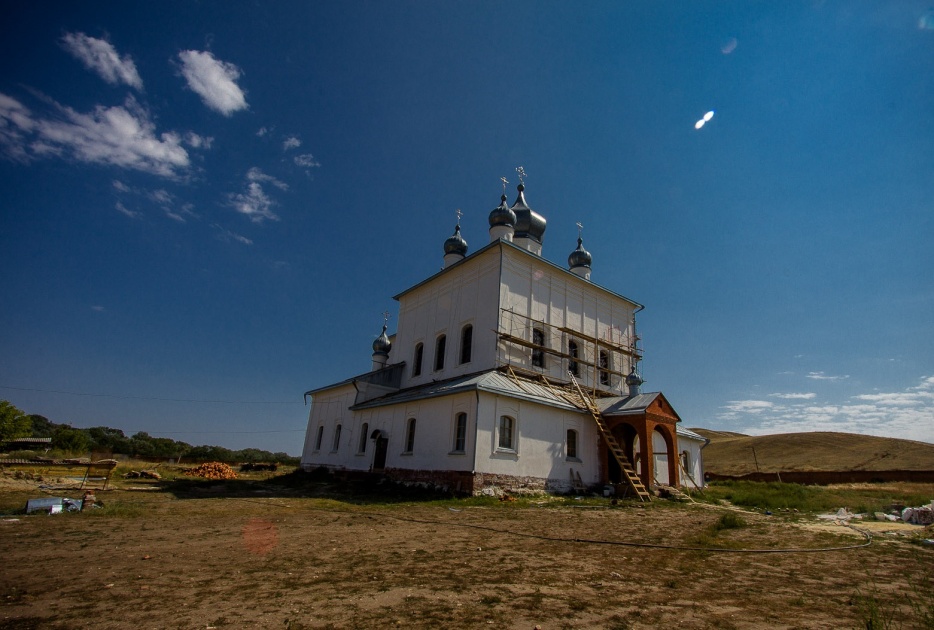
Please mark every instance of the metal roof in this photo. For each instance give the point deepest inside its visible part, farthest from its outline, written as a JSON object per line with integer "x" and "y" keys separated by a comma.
{"x": 618, "y": 406}
{"x": 491, "y": 381}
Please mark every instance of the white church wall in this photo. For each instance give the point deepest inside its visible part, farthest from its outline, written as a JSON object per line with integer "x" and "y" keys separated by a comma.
{"x": 537, "y": 291}
{"x": 464, "y": 294}
{"x": 328, "y": 409}
{"x": 539, "y": 445}
{"x": 692, "y": 458}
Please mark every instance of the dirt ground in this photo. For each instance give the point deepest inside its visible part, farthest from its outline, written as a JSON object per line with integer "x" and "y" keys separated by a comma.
{"x": 252, "y": 554}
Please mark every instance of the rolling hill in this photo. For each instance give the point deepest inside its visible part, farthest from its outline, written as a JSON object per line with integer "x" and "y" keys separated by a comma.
{"x": 736, "y": 454}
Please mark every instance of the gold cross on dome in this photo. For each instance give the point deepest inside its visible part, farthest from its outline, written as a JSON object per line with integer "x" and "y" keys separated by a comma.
{"x": 459, "y": 215}
{"x": 521, "y": 171}
{"x": 580, "y": 229}
{"x": 385, "y": 317}
{"x": 503, "y": 179}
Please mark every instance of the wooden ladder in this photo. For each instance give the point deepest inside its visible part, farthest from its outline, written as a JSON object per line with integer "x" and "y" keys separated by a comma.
{"x": 584, "y": 401}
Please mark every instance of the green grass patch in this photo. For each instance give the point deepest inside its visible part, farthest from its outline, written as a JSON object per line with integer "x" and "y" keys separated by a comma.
{"x": 775, "y": 496}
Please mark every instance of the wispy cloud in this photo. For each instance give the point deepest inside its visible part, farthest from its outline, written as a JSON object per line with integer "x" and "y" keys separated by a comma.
{"x": 99, "y": 56}
{"x": 820, "y": 376}
{"x": 291, "y": 143}
{"x": 122, "y": 136}
{"x": 306, "y": 160}
{"x": 257, "y": 175}
{"x": 97, "y": 308}
{"x": 124, "y": 210}
{"x": 254, "y": 203}
{"x": 223, "y": 234}
{"x": 262, "y": 131}
{"x": 215, "y": 81}
{"x": 907, "y": 414}
{"x": 749, "y": 406}
{"x": 805, "y": 396}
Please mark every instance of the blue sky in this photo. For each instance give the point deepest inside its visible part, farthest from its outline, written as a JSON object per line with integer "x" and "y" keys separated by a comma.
{"x": 206, "y": 207}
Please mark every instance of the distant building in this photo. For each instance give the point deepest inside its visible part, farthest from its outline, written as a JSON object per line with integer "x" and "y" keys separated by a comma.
{"x": 478, "y": 387}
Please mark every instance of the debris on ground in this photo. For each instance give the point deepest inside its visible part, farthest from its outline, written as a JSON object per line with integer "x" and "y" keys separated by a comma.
{"x": 142, "y": 474}
{"x": 212, "y": 470}
{"x": 53, "y": 505}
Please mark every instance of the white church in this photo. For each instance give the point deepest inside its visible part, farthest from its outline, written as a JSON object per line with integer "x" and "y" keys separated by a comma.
{"x": 509, "y": 373}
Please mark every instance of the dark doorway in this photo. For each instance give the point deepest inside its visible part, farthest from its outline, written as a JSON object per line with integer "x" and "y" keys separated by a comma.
{"x": 379, "y": 457}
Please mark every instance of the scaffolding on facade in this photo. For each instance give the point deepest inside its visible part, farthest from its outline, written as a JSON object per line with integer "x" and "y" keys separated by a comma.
{"x": 532, "y": 345}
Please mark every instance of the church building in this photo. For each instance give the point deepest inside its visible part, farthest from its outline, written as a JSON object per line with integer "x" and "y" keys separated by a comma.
{"x": 509, "y": 372}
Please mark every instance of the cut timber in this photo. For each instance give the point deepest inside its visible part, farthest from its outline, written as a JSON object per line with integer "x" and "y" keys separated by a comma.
{"x": 585, "y": 402}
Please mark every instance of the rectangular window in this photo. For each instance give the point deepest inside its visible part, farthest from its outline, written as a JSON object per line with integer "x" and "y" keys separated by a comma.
{"x": 460, "y": 433}
{"x": 538, "y": 354}
{"x": 572, "y": 362}
{"x": 439, "y": 353}
{"x": 507, "y": 427}
{"x": 337, "y": 438}
{"x": 572, "y": 444}
{"x": 417, "y": 360}
{"x": 361, "y": 447}
{"x": 466, "y": 343}
{"x": 410, "y": 436}
{"x": 604, "y": 367}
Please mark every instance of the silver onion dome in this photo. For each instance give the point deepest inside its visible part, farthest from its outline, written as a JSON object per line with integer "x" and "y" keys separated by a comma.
{"x": 382, "y": 345}
{"x": 455, "y": 244}
{"x": 529, "y": 224}
{"x": 580, "y": 257}
{"x": 502, "y": 215}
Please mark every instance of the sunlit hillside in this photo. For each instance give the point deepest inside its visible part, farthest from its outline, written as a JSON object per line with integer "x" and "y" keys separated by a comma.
{"x": 737, "y": 454}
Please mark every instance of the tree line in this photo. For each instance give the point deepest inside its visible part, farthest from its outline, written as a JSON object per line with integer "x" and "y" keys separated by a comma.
{"x": 16, "y": 424}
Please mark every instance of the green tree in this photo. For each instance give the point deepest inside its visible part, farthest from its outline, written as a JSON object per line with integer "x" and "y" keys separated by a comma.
{"x": 42, "y": 427}
{"x": 13, "y": 422}
{"x": 71, "y": 440}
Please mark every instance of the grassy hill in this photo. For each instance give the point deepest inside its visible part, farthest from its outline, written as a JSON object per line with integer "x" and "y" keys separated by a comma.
{"x": 732, "y": 453}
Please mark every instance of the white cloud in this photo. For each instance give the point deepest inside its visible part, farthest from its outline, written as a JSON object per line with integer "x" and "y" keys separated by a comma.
{"x": 291, "y": 143}
{"x": 908, "y": 414}
{"x": 804, "y": 396}
{"x": 254, "y": 203}
{"x": 213, "y": 80}
{"x": 257, "y": 175}
{"x": 121, "y": 186}
{"x": 262, "y": 131}
{"x": 124, "y": 210}
{"x": 97, "y": 308}
{"x": 227, "y": 236}
{"x": 306, "y": 160}
{"x": 99, "y": 55}
{"x": 749, "y": 406}
{"x": 820, "y": 376}
{"x": 121, "y": 136}
{"x": 198, "y": 142}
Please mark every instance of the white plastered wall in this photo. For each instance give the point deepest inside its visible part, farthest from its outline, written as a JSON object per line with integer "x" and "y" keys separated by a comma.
{"x": 535, "y": 290}
{"x": 540, "y": 436}
{"x": 465, "y": 294}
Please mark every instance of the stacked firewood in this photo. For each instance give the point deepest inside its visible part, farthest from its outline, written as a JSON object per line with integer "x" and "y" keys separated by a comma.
{"x": 212, "y": 470}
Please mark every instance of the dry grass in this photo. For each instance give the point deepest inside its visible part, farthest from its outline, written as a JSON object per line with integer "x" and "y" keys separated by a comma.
{"x": 287, "y": 554}
{"x": 732, "y": 453}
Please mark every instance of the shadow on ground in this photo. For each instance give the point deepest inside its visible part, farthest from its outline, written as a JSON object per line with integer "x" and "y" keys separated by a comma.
{"x": 319, "y": 485}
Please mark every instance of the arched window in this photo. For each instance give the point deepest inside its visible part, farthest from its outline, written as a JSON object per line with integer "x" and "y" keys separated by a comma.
{"x": 460, "y": 433}
{"x": 507, "y": 437}
{"x": 604, "y": 368}
{"x": 319, "y": 438}
{"x": 417, "y": 360}
{"x": 439, "y": 353}
{"x": 364, "y": 430}
{"x": 573, "y": 367}
{"x": 538, "y": 354}
{"x": 337, "y": 438}
{"x": 466, "y": 343}
{"x": 410, "y": 436}
{"x": 572, "y": 444}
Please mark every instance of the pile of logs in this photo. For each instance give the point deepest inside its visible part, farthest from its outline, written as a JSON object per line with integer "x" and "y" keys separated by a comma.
{"x": 212, "y": 470}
